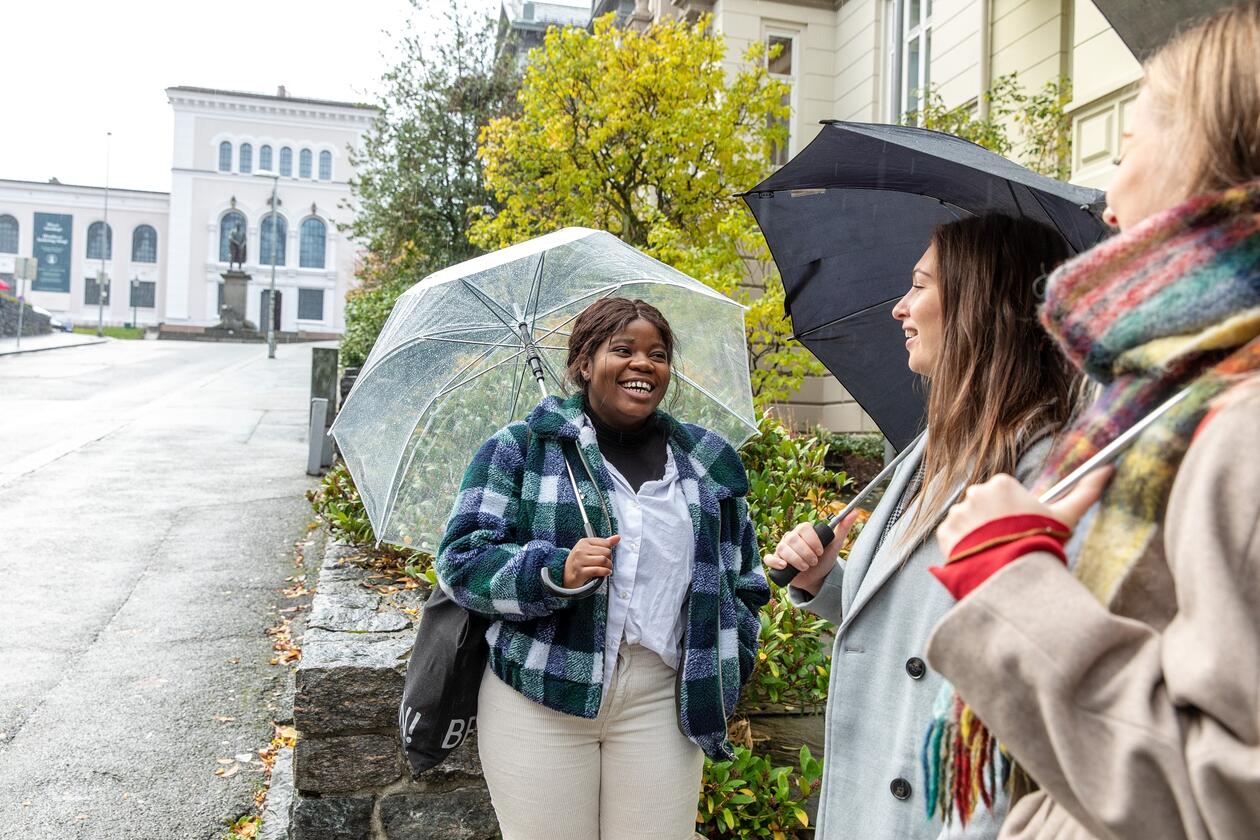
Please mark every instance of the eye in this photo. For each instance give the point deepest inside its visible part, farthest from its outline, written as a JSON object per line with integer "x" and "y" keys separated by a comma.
{"x": 623, "y": 351}
{"x": 660, "y": 356}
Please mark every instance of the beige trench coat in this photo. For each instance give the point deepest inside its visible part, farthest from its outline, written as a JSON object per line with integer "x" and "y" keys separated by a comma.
{"x": 1141, "y": 722}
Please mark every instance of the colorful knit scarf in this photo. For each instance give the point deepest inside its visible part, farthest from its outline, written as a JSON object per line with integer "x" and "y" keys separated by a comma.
{"x": 1171, "y": 303}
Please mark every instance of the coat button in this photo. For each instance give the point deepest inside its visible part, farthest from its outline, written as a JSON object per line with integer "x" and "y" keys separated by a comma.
{"x": 900, "y": 788}
{"x": 915, "y": 668}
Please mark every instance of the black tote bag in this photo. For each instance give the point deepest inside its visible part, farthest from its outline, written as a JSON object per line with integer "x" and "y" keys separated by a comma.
{"x": 439, "y": 704}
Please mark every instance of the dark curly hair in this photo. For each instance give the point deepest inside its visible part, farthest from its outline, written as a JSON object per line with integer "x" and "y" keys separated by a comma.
{"x": 602, "y": 320}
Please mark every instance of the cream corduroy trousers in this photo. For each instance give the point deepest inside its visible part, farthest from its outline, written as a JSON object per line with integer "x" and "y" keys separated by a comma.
{"x": 627, "y": 774}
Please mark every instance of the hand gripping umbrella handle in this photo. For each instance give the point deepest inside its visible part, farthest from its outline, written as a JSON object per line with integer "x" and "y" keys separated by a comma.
{"x": 591, "y": 585}
{"x": 825, "y": 529}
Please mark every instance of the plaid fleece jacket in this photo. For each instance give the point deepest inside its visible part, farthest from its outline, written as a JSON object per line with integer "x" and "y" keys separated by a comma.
{"x": 516, "y": 514}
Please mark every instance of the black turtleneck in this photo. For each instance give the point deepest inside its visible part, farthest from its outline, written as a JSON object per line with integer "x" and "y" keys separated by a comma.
{"x": 639, "y": 455}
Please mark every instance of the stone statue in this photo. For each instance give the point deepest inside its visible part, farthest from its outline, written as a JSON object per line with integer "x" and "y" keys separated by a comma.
{"x": 236, "y": 247}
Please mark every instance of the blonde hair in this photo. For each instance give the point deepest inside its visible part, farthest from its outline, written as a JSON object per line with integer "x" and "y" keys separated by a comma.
{"x": 1204, "y": 86}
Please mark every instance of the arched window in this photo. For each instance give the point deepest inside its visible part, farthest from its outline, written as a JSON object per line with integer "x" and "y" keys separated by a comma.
{"x": 8, "y": 235}
{"x": 100, "y": 241}
{"x": 225, "y": 156}
{"x": 275, "y": 230}
{"x": 313, "y": 233}
{"x": 286, "y": 161}
{"x": 247, "y": 158}
{"x": 144, "y": 244}
{"x": 229, "y": 220}
{"x": 325, "y": 166}
{"x": 264, "y": 158}
{"x": 304, "y": 163}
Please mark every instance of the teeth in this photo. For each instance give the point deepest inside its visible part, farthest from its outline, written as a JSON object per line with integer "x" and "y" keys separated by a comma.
{"x": 638, "y": 385}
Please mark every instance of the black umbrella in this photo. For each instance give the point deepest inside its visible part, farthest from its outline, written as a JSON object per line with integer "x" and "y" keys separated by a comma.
{"x": 1145, "y": 25}
{"x": 847, "y": 219}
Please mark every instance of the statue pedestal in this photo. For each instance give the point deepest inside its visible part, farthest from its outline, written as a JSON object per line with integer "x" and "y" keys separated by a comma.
{"x": 232, "y": 314}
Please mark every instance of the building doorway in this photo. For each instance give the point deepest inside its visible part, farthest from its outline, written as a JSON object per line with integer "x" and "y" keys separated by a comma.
{"x": 264, "y": 308}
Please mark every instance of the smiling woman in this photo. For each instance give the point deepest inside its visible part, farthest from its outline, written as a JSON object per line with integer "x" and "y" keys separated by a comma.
{"x": 628, "y": 689}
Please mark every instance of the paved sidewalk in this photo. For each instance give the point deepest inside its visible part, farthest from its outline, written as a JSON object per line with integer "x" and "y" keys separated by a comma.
{"x": 34, "y": 343}
{"x": 153, "y": 491}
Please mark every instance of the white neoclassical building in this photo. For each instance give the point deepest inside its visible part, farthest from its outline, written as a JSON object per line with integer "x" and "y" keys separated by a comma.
{"x": 165, "y": 252}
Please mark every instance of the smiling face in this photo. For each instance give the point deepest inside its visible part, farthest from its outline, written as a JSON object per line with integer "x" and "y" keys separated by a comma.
{"x": 919, "y": 312}
{"x": 627, "y": 375}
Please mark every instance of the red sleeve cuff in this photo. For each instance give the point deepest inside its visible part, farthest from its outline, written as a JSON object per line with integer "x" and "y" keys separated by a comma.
{"x": 961, "y": 577}
{"x": 1008, "y": 529}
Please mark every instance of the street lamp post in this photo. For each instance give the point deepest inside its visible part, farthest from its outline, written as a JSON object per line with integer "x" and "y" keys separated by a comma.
{"x": 107, "y": 246}
{"x": 271, "y": 296}
{"x": 135, "y": 292}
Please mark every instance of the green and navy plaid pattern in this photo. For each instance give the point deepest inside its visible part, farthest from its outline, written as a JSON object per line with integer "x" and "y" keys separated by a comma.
{"x": 516, "y": 514}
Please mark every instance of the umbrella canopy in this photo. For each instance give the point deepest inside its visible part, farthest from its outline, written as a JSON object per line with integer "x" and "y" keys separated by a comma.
{"x": 450, "y": 367}
{"x": 847, "y": 219}
{"x": 1145, "y": 25}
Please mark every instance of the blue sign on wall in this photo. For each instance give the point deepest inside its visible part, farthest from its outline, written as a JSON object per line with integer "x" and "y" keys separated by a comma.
{"x": 52, "y": 251}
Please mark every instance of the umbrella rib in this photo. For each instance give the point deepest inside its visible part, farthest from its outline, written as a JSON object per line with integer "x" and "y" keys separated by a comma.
{"x": 487, "y": 302}
{"x": 393, "y": 351}
{"x": 387, "y": 509}
{"x": 832, "y": 323}
{"x": 706, "y": 392}
{"x": 535, "y": 292}
{"x": 473, "y": 343}
{"x": 453, "y": 386}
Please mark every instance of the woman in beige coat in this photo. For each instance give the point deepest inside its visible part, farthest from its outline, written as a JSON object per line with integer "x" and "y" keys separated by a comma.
{"x": 1127, "y": 686}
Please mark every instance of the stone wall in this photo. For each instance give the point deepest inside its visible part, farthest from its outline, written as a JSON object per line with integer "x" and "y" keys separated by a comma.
{"x": 350, "y": 776}
{"x": 32, "y": 322}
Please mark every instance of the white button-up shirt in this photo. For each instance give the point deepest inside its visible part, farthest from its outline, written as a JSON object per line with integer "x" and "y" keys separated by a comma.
{"x": 651, "y": 567}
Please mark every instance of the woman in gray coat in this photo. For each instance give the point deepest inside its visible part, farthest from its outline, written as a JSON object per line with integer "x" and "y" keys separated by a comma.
{"x": 999, "y": 390}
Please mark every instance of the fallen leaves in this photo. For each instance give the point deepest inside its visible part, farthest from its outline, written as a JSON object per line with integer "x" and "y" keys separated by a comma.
{"x": 287, "y": 651}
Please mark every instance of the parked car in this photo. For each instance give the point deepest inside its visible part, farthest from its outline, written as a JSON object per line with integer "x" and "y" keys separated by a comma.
{"x": 55, "y": 322}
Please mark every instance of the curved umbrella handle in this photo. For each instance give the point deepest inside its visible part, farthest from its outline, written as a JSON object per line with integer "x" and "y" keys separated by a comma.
{"x": 584, "y": 591}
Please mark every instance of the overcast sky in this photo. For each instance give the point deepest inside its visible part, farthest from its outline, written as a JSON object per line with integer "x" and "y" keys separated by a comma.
{"x": 75, "y": 69}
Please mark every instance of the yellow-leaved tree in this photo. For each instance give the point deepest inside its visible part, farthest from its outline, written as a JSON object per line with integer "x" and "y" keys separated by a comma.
{"x": 645, "y": 134}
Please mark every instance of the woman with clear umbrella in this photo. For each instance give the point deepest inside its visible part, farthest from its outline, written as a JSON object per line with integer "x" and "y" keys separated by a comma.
{"x": 596, "y": 712}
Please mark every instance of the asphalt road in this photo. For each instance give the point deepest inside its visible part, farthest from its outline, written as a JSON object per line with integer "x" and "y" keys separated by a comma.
{"x": 150, "y": 497}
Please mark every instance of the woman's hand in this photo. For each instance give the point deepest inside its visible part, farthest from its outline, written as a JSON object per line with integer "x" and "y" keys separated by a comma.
{"x": 802, "y": 549}
{"x": 590, "y": 558}
{"x": 1002, "y": 496}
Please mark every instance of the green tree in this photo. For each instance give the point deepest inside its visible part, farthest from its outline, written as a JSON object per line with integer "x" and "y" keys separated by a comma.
{"x": 418, "y": 173}
{"x": 644, "y": 134}
{"x": 1034, "y": 127}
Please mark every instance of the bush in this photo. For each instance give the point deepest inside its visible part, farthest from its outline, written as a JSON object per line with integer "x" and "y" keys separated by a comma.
{"x": 794, "y": 660}
{"x": 868, "y": 445}
{"x": 747, "y": 797}
{"x": 337, "y": 504}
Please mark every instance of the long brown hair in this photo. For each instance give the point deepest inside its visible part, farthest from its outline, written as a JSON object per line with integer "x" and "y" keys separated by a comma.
{"x": 1205, "y": 88}
{"x": 998, "y": 377}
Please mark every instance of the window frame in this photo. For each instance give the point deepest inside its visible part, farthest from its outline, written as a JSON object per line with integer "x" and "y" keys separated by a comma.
{"x": 225, "y": 250}
{"x": 325, "y": 165}
{"x": 264, "y": 253}
{"x": 323, "y": 305}
{"x": 908, "y": 93}
{"x": 225, "y": 164}
{"x": 109, "y": 241}
{"x": 286, "y": 161}
{"x": 151, "y": 296}
{"x": 793, "y": 36}
{"x": 306, "y": 163}
{"x": 265, "y": 157}
{"x": 302, "y": 243}
{"x": 245, "y": 158}
{"x": 9, "y": 222}
{"x": 135, "y": 232}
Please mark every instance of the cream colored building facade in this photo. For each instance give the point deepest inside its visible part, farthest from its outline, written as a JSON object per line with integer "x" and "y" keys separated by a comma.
{"x": 865, "y": 60}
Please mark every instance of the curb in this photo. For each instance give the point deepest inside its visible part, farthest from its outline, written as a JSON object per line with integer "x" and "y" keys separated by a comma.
{"x": 54, "y": 347}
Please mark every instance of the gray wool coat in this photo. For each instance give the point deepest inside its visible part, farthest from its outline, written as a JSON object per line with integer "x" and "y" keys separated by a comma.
{"x": 884, "y": 604}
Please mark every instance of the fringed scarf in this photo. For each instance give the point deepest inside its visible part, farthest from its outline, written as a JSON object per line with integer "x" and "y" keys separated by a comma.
{"x": 1173, "y": 302}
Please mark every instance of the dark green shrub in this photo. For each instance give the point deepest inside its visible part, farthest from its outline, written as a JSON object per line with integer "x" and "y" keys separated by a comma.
{"x": 747, "y": 797}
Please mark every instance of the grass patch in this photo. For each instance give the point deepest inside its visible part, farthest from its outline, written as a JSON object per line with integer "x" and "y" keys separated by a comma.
{"x": 131, "y": 333}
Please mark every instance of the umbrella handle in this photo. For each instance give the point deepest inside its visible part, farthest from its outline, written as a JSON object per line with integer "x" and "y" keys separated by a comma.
{"x": 585, "y": 590}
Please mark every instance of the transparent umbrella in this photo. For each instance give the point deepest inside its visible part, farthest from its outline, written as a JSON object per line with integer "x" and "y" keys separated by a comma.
{"x": 465, "y": 351}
